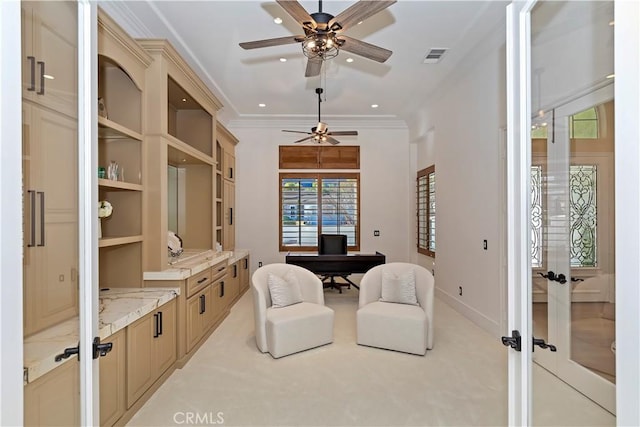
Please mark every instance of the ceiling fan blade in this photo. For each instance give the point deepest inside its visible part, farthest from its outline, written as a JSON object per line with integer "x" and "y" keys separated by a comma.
{"x": 332, "y": 140}
{"x": 271, "y": 42}
{"x": 303, "y": 139}
{"x": 297, "y": 131}
{"x": 313, "y": 68}
{"x": 344, "y": 133}
{"x": 359, "y": 12}
{"x": 297, "y": 12}
{"x": 365, "y": 49}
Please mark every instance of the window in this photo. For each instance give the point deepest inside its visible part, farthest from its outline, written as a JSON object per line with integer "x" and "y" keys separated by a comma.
{"x": 584, "y": 125}
{"x": 315, "y": 203}
{"x": 582, "y": 213}
{"x": 426, "y": 207}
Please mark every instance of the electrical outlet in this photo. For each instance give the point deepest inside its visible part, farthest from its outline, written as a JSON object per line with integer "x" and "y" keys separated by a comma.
{"x": 484, "y": 244}
{"x": 259, "y": 264}
{"x": 460, "y": 290}
{"x": 376, "y": 233}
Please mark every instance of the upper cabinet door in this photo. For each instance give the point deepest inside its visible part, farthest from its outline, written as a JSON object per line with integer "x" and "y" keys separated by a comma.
{"x": 49, "y": 46}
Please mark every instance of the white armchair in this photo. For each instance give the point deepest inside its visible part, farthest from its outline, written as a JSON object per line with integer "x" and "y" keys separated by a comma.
{"x": 393, "y": 326}
{"x": 285, "y": 330}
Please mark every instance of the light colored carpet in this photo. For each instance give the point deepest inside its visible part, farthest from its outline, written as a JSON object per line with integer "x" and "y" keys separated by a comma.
{"x": 462, "y": 381}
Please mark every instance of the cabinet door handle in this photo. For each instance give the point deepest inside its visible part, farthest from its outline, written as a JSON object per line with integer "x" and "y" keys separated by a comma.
{"x": 160, "y": 328}
{"x": 32, "y": 79}
{"x": 246, "y": 263}
{"x": 204, "y": 279}
{"x": 230, "y": 173}
{"x": 41, "y": 91}
{"x": 41, "y": 193}
{"x": 201, "y": 304}
{"x": 221, "y": 289}
{"x": 204, "y": 303}
{"x": 230, "y": 216}
{"x": 156, "y": 326}
{"x": 32, "y": 202}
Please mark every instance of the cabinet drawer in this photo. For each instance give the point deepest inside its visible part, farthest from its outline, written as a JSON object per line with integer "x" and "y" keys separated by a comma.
{"x": 219, "y": 270}
{"x": 198, "y": 281}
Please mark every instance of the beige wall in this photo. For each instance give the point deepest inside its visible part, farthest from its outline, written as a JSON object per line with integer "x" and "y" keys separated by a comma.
{"x": 386, "y": 187}
{"x": 462, "y": 132}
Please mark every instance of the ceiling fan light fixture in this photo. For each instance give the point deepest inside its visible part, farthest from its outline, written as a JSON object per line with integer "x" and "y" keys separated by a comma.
{"x": 320, "y": 46}
{"x": 321, "y": 128}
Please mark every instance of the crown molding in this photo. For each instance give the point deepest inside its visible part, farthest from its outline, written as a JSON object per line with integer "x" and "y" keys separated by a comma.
{"x": 123, "y": 15}
{"x": 305, "y": 122}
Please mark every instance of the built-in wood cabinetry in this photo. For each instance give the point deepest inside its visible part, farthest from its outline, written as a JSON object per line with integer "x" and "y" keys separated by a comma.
{"x": 49, "y": 146}
{"x": 225, "y": 187}
{"x": 245, "y": 274}
{"x": 180, "y": 131}
{"x": 54, "y": 398}
{"x": 200, "y": 306}
{"x": 233, "y": 280}
{"x": 151, "y": 349}
{"x": 122, "y": 65}
{"x": 113, "y": 397}
{"x": 49, "y": 55}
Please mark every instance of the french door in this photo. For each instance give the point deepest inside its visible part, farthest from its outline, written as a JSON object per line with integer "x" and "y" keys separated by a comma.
{"x": 572, "y": 247}
{"x": 546, "y": 84}
{"x": 59, "y": 160}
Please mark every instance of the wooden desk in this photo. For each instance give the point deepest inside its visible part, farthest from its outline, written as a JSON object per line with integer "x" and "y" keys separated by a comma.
{"x": 342, "y": 266}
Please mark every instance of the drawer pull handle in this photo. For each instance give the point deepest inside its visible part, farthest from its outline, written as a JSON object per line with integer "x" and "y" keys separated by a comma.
{"x": 221, "y": 268}
{"x": 156, "y": 325}
{"x": 32, "y": 82}
{"x": 204, "y": 279}
{"x": 41, "y": 91}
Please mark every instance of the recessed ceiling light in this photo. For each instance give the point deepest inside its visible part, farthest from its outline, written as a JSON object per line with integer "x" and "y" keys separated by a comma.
{"x": 359, "y": 22}
{"x": 349, "y": 59}
{"x": 277, "y": 20}
{"x": 374, "y": 105}
{"x": 262, "y": 105}
{"x": 610, "y": 76}
{"x": 283, "y": 59}
{"x": 184, "y": 99}
{"x": 612, "y": 23}
{"x": 48, "y": 76}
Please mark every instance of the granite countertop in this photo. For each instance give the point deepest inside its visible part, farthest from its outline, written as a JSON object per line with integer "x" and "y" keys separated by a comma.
{"x": 190, "y": 263}
{"x": 118, "y": 308}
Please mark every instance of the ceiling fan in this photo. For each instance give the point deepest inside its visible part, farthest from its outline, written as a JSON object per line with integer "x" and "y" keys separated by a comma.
{"x": 320, "y": 133}
{"x": 323, "y": 36}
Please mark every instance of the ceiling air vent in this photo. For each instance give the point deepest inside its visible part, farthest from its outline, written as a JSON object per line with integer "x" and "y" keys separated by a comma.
{"x": 434, "y": 55}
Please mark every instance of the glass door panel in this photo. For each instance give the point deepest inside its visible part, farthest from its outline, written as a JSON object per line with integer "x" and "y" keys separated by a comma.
{"x": 572, "y": 190}
{"x": 53, "y": 140}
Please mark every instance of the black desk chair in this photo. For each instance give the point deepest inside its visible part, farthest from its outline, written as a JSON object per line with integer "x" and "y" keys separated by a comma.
{"x": 334, "y": 244}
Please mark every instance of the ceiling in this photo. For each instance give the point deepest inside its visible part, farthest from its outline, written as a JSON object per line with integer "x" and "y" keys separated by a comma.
{"x": 207, "y": 34}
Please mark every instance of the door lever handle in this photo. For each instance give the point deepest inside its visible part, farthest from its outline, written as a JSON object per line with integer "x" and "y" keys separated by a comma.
{"x": 540, "y": 343}
{"x": 514, "y": 341}
{"x": 68, "y": 352}
{"x": 560, "y": 278}
{"x": 549, "y": 276}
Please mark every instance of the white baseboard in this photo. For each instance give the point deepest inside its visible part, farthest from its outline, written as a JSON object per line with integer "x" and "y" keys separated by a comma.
{"x": 489, "y": 325}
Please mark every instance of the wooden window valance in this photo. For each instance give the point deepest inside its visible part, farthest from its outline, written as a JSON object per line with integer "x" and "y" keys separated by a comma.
{"x": 319, "y": 157}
